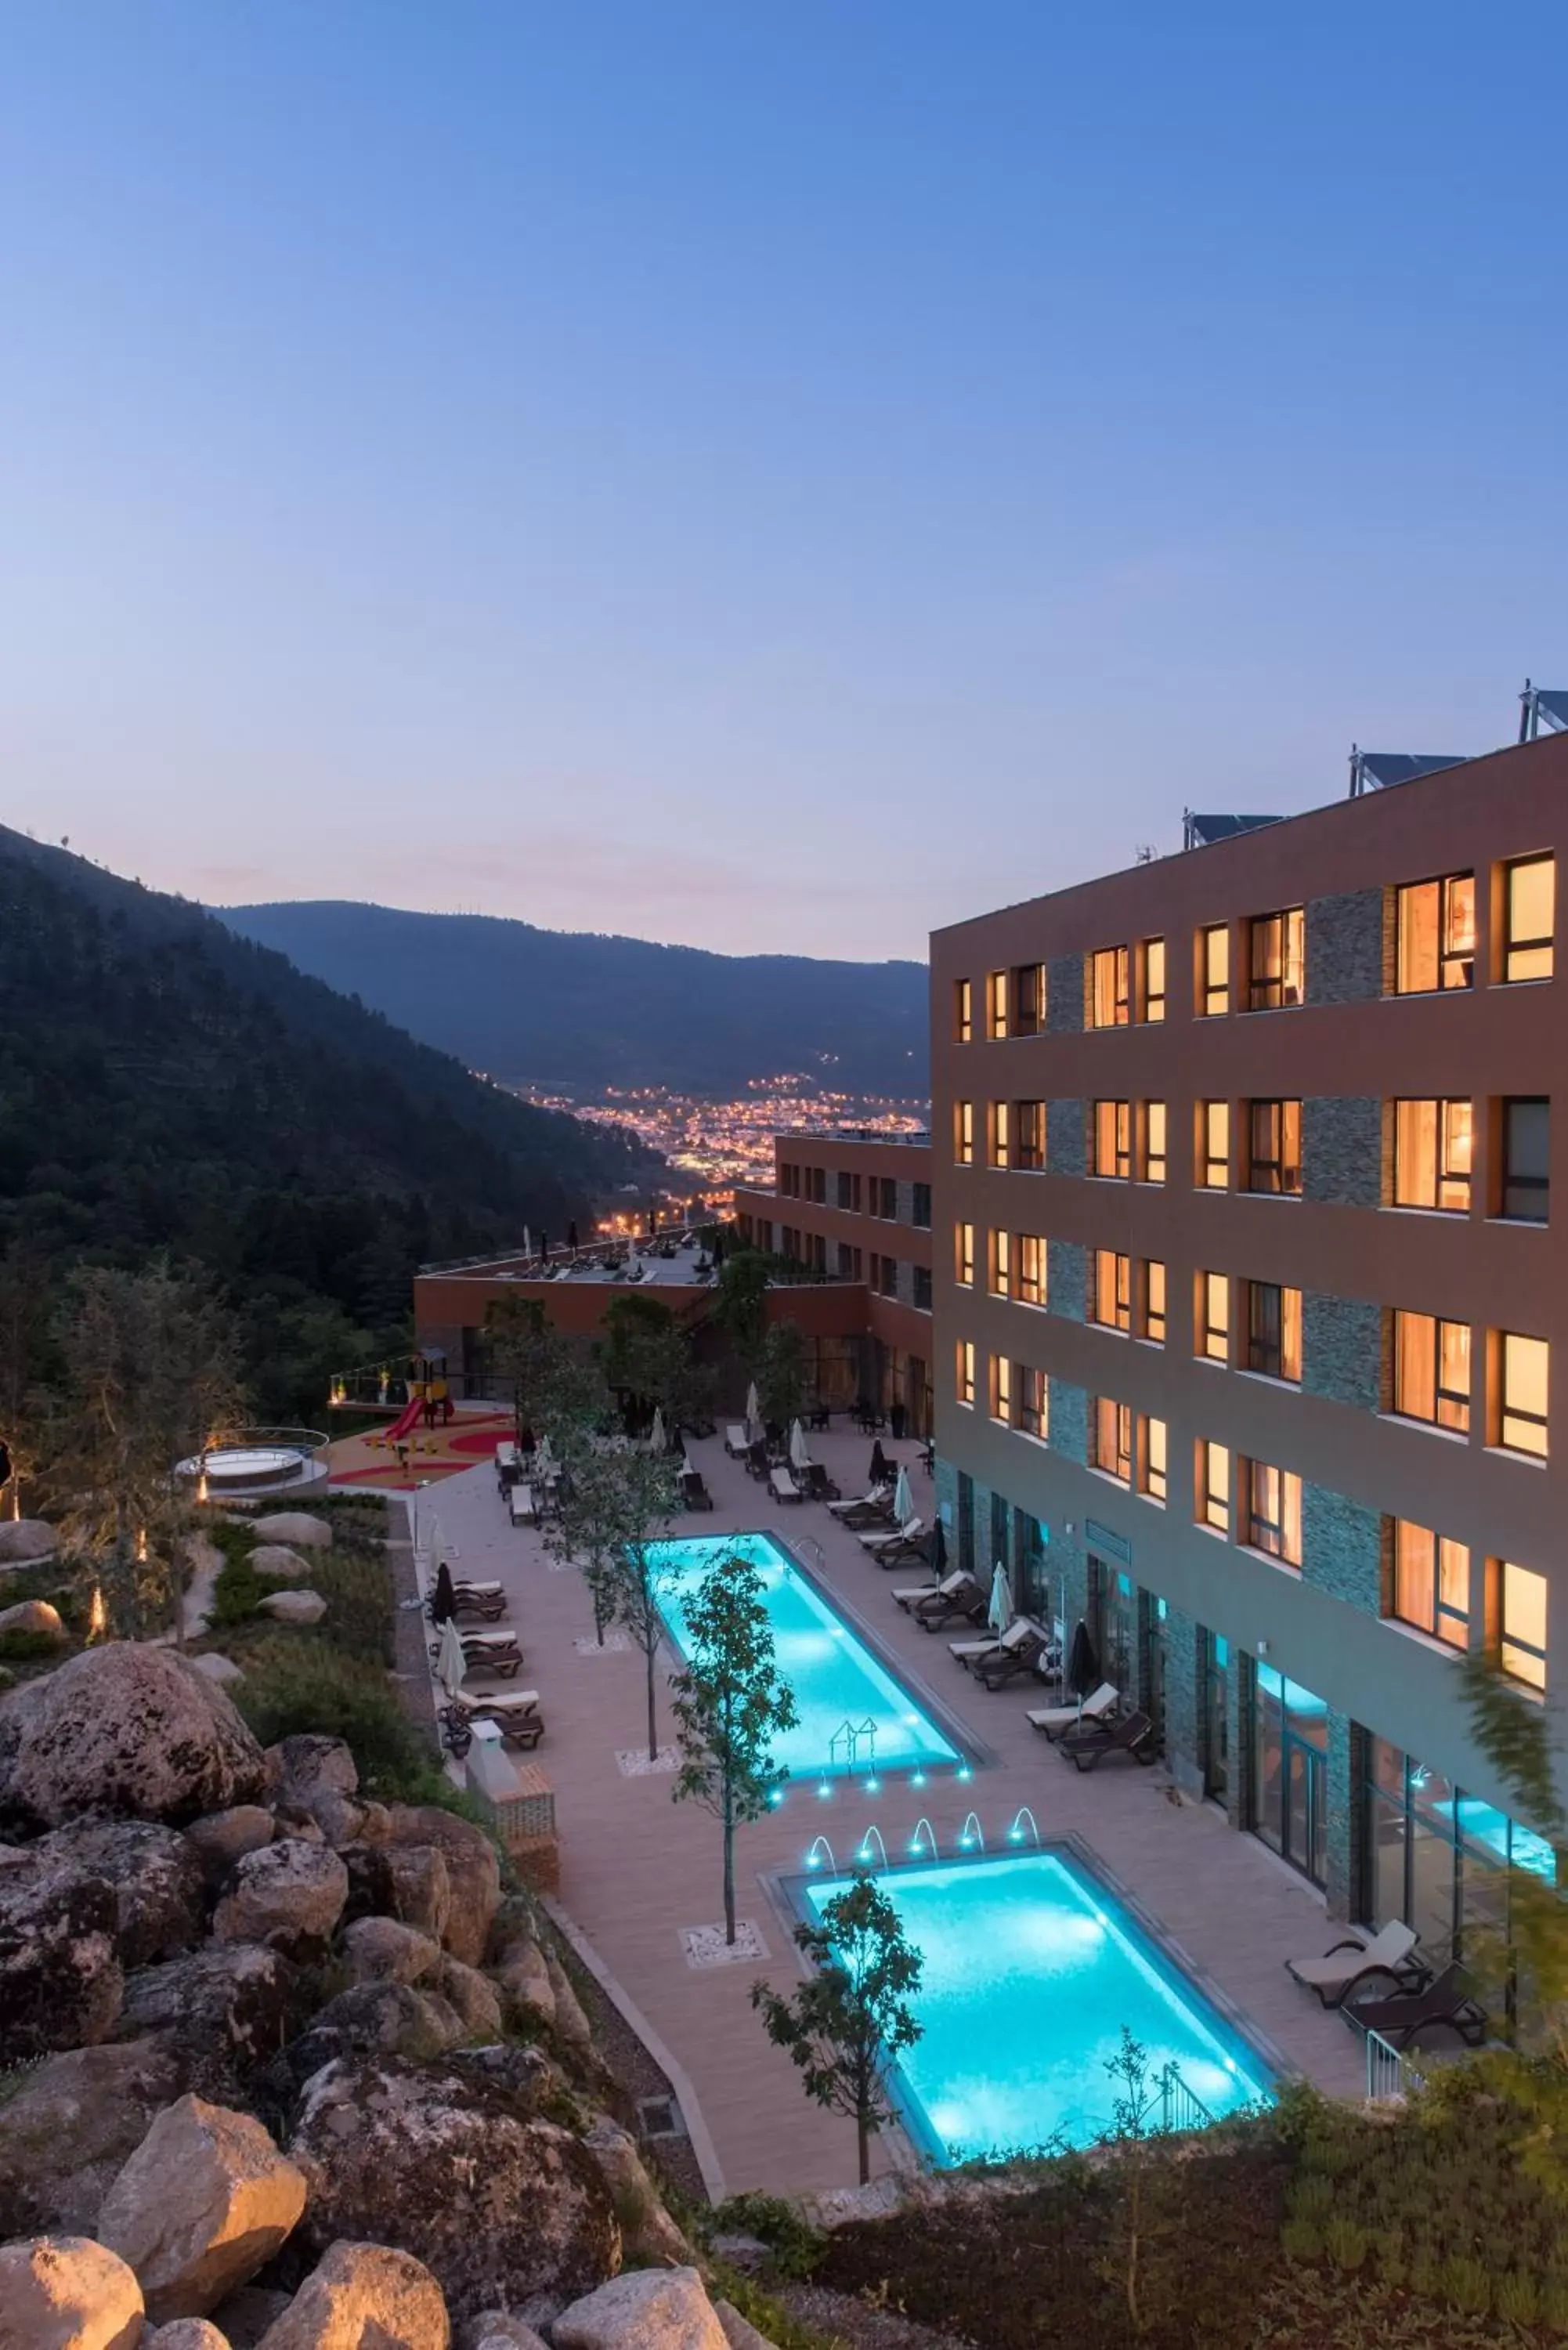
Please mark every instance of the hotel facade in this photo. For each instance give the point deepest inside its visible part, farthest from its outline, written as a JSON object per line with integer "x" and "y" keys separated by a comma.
{"x": 1248, "y": 1283}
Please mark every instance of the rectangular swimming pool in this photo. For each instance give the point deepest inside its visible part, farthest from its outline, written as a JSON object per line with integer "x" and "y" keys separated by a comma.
{"x": 833, "y": 1675}
{"x": 1032, "y": 1968}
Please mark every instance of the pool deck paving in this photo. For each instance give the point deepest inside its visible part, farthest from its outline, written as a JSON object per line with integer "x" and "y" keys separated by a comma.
{"x": 639, "y": 1870}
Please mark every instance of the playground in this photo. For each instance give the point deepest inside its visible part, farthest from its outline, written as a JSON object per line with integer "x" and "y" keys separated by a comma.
{"x": 428, "y": 1436}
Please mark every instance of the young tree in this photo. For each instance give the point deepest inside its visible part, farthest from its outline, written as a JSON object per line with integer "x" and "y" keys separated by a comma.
{"x": 616, "y": 1505}
{"x": 739, "y": 1304}
{"x": 729, "y": 1705}
{"x": 23, "y": 1296}
{"x": 1133, "y": 2106}
{"x": 784, "y": 1374}
{"x": 851, "y": 2021}
{"x": 524, "y": 1348}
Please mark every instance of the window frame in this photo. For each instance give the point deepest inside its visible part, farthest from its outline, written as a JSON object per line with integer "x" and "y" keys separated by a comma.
{"x": 1282, "y": 1111}
{"x": 1153, "y": 963}
{"x": 1150, "y": 1314}
{"x": 1276, "y": 949}
{"x": 1110, "y": 987}
{"x": 1000, "y": 1389}
{"x": 1447, "y": 1144}
{"x": 1000, "y": 1251}
{"x": 1207, "y": 1287}
{"x": 998, "y": 1134}
{"x": 1528, "y": 1186}
{"x": 1274, "y": 1522}
{"x": 1029, "y": 1136}
{"x": 1213, "y": 992}
{"x": 964, "y": 1134}
{"x": 1514, "y": 1643}
{"x": 1112, "y": 1280}
{"x": 1512, "y": 946}
{"x": 1448, "y": 1337}
{"x": 1212, "y": 1106}
{"x": 963, "y": 1012}
{"x": 1152, "y": 1158}
{"x": 1514, "y": 1419}
{"x": 1212, "y": 1500}
{"x": 1154, "y": 1475}
{"x": 1439, "y": 1609}
{"x": 1285, "y": 1345}
{"x": 1121, "y": 1138}
{"x": 996, "y": 1007}
{"x": 963, "y": 1253}
{"x": 1031, "y": 1245}
{"x": 1453, "y": 965}
{"x": 963, "y": 1373}
{"x": 1028, "y": 999}
{"x": 1034, "y": 1402}
{"x": 1118, "y": 1417}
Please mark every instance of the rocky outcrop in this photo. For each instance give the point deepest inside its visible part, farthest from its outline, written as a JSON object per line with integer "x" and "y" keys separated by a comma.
{"x": 570, "y": 2020}
{"x": 646, "y": 2309}
{"x": 495, "y": 2329}
{"x": 738, "y": 2332}
{"x": 293, "y": 1607}
{"x": 126, "y": 1730}
{"x": 32, "y": 1616}
{"x": 473, "y": 1995}
{"x": 221, "y": 1839}
{"x": 648, "y": 2232}
{"x": 472, "y": 1872}
{"x": 296, "y": 1767}
{"x": 524, "y": 1980}
{"x": 71, "y": 2124}
{"x": 363, "y": 2297}
{"x": 294, "y": 1526}
{"x": 375, "y": 2019}
{"x": 381, "y": 1950}
{"x": 160, "y": 1893}
{"x": 231, "y": 2004}
{"x": 61, "y": 1982}
{"x": 225, "y": 1672}
{"x": 185, "y": 2334}
{"x": 276, "y": 1563}
{"x": 420, "y": 1890}
{"x": 24, "y": 1539}
{"x": 202, "y": 2203}
{"x": 380, "y": 2145}
{"x": 65, "y": 2293}
{"x": 289, "y": 1895}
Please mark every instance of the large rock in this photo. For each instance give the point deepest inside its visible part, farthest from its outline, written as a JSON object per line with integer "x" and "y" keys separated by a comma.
{"x": 524, "y": 1980}
{"x": 276, "y": 1563}
{"x": 571, "y": 2021}
{"x": 128, "y": 1730}
{"x": 71, "y": 2124}
{"x": 297, "y": 1766}
{"x": 232, "y": 2004}
{"x": 738, "y": 2332}
{"x": 420, "y": 1889}
{"x": 22, "y": 1540}
{"x": 363, "y": 2297}
{"x": 497, "y": 2329}
{"x": 293, "y": 1607}
{"x": 646, "y": 2309}
{"x": 474, "y": 1996}
{"x": 186, "y": 2333}
{"x": 65, "y": 2293}
{"x": 32, "y": 1616}
{"x": 202, "y": 2203}
{"x": 473, "y": 1871}
{"x": 159, "y": 1889}
{"x": 381, "y": 2144}
{"x": 223, "y": 1672}
{"x": 221, "y": 1839}
{"x": 289, "y": 1895}
{"x": 61, "y": 1983}
{"x": 380, "y": 1950}
{"x": 376, "y": 2019}
{"x": 650, "y": 2234}
{"x": 295, "y": 1527}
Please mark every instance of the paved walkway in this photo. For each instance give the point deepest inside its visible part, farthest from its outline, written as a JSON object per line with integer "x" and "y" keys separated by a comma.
{"x": 637, "y": 1869}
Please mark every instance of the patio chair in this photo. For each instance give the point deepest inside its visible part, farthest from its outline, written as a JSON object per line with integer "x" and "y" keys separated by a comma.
{"x": 694, "y": 1493}
{"x": 1132, "y": 1734}
{"x": 909, "y": 1532}
{"x": 1390, "y": 1955}
{"x": 736, "y": 1439}
{"x": 783, "y": 1487}
{"x": 872, "y": 1509}
{"x": 816, "y": 1482}
{"x": 1056, "y": 1721}
{"x": 910, "y": 1547}
{"x": 975, "y": 1652}
{"x": 1444, "y": 2001}
{"x": 1010, "y": 1657}
{"x": 967, "y": 1604}
{"x": 487, "y": 1604}
{"x": 906, "y": 1594}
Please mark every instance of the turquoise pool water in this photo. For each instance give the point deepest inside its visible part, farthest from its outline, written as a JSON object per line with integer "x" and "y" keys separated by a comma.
{"x": 835, "y": 1677}
{"x": 1031, "y": 1971}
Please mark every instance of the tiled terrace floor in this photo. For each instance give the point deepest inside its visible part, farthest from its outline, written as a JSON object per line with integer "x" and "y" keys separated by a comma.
{"x": 636, "y": 1868}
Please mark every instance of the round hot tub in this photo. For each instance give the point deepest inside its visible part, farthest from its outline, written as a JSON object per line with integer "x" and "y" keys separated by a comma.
{"x": 248, "y": 1464}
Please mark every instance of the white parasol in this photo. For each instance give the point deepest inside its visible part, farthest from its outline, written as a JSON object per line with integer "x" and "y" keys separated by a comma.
{"x": 451, "y": 1663}
{"x": 633, "y": 1261}
{"x": 527, "y": 1242}
{"x": 998, "y": 1615}
{"x": 799, "y": 1450}
{"x": 655, "y": 1433}
{"x": 903, "y": 1500}
{"x": 753, "y": 1408}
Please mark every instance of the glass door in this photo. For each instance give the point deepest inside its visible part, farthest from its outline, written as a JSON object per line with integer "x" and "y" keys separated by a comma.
{"x": 1289, "y": 1772}
{"x": 1216, "y": 1715}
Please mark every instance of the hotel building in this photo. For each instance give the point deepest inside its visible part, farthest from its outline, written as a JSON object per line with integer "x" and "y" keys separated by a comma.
{"x": 1248, "y": 1289}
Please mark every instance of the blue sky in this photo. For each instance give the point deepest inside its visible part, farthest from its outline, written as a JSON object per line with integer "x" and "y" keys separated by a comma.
{"x": 769, "y": 473}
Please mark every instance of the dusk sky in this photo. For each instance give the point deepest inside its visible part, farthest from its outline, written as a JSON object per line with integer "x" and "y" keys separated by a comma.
{"x": 765, "y": 473}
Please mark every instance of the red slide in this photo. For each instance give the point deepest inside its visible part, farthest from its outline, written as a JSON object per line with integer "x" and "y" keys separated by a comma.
{"x": 407, "y": 1420}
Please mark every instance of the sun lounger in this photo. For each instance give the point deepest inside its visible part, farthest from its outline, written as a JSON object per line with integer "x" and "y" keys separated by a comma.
{"x": 910, "y": 1530}
{"x": 965, "y": 1606}
{"x": 874, "y": 1508}
{"x": 1134, "y": 1735}
{"x": 973, "y": 1652}
{"x": 516, "y": 1715}
{"x": 907, "y": 1593}
{"x": 487, "y": 1604}
{"x": 1389, "y": 1956}
{"x": 1056, "y": 1721}
{"x": 694, "y": 1493}
{"x": 479, "y": 1590}
{"x": 816, "y": 1482}
{"x": 1010, "y": 1657}
{"x": 1398, "y": 2020}
{"x": 783, "y": 1487}
{"x": 735, "y": 1439}
{"x": 904, "y": 1551}
{"x": 502, "y": 1703}
{"x": 521, "y": 1503}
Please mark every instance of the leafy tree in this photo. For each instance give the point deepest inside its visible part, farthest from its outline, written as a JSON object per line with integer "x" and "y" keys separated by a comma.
{"x": 524, "y": 1348}
{"x": 24, "y": 1300}
{"x": 784, "y": 1374}
{"x": 616, "y": 1505}
{"x": 739, "y": 1304}
{"x": 847, "y": 2025}
{"x": 729, "y": 1705}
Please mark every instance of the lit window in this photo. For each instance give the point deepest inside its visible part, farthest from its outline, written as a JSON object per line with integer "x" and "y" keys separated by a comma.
{"x": 1031, "y": 1269}
{"x": 1213, "y": 971}
{"x": 1522, "y": 1624}
{"x": 963, "y": 1011}
{"x": 1002, "y": 1388}
{"x": 1213, "y": 1317}
{"x": 964, "y": 1372}
{"x": 1113, "y": 1290}
{"x": 963, "y": 1133}
{"x": 1276, "y": 951}
{"x": 1213, "y": 1145}
{"x": 996, "y": 1003}
{"x": 1000, "y": 1133}
{"x": 1030, "y": 1136}
{"x": 1432, "y": 1583}
{"x": 1028, "y": 999}
{"x": 1526, "y": 1165}
{"x": 1153, "y": 1169}
{"x": 1213, "y": 1483}
{"x": 1110, "y": 1004}
{"x": 1034, "y": 1402}
{"x": 1524, "y": 1370}
{"x": 1111, "y": 1435}
{"x": 1434, "y": 935}
{"x": 1432, "y": 1370}
{"x": 1530, "y": 888}
{"x": 1273, "y": 1330}
{"x": 1154, "y": 979}
{"x": 963, "y": 1254}
{"x": 1154, "y": 1300}
{"x": 1274, "y": 1147}
{"x": 1151, "y": 1460}
{"x": 1112, "y": 1138}
{"x": 1432, "y": 1154}
{"x": 1274, "y": 1511}
{"x": 1001, "y": 1264}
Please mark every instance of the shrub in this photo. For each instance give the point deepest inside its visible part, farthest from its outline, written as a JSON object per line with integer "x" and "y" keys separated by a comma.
{"x": 19, "y": 1648}
{"x": 795, "y": 2245}
{"x": 295, "y": 1685}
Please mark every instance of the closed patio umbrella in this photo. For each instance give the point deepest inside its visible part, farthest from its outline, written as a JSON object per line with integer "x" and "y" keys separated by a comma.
{"x": 655, "y": 1433}
{"x": 1083, "y": 1663}
{"x": 527, "y": 1242}
{"x": 939, "y": 1551}
{"x": 903, "y": 1500}
{"x": 799, "y": 1450}
{"x": 443, "y": 1608}
{"x": 753, "y": 1408}
{"x": 633, "y": 1261}
{"x": 451, "y": 1662}
{"x": 543, "y": 1456}
{"x": 998, "y": 1615}
{"x": 878, "y": 1465}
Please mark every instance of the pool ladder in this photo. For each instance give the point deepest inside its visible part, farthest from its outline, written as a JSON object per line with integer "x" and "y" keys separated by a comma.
{"x": 845, "y": 1743}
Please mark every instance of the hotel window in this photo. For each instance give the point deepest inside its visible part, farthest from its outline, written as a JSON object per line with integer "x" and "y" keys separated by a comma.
{"x": 996, "y": 1005}
{"x": 963, "y": 1011}
{"x": 1031, "y": 1269}
{"x": 1274, "y": 1147}
{"x": 1153, "y": 1301}
{"x": 963, "y": 1133}
{"x": 1111, "y": 1431}
{"x": 849, "y": 1192}
{"x": 1113, "y": 1290}
{"x": 1523, "y": 1376}
{"x": 1030, "y": 1135}
{"x": 1434, "y": 935}
{"x": 964, "y": 1370}
{"x": 1525, "y": 1165}
{"x": 922, "y": 1286}
{"x": 1034, "y": 1402}
{"x": 920, "y": 1211}
{"x": 885, "y": 1199}
{"x": 1212, "y": 1319}
{"x": 1152, "y": 956}
{"x": 1432, "y": 1583}
{"x": 1153, "y": 1168}
{"x": 1001, "y": 1134}
{"x": 1521, "y": 1624}
{"x": 1432, "y": 1154}
{"x": 1151, "y": 1459}
{"x": 1213, "y": 1486}
{"x": 1029, "y": 999}
{"x": 1110, "y": 991}
{"x": 1274, "y": 1330}
{"x": 1002, "y": 1388}
{"x": 1213, "y": 1146}
{"x": 1002, "y": 1264}
{"x": 1213, "y": 971}
{"x": 1529, "y": 889}
{"x": 1432, "y": 1370}
{"x": 963, "y": 1254}
{"x": 1112, "y": 1138}
{"x": 1274, "y": 1511}
{"x": 1276, "y": 960}
{"x": 885, "y": 1272}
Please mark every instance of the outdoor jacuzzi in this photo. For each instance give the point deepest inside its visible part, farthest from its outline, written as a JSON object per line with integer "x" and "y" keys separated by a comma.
{"x": 241, "y": 1466}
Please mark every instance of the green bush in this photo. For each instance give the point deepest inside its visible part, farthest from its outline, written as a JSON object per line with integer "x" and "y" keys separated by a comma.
{"x": 18, "y": 1648}
{"x": 795, "y": 2245}
{"x": 298, "y": 1683}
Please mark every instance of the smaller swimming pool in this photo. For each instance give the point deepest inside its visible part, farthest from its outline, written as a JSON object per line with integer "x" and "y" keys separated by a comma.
{"x": 1032, "y": 1969}
{"x": 836, "y": 1680}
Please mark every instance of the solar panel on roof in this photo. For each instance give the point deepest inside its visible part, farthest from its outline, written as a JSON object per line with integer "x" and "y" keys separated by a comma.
{"x": 1203, "y": 831}
{"x": 1378, "y": 771}
{"x": 1554, "y": 704}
